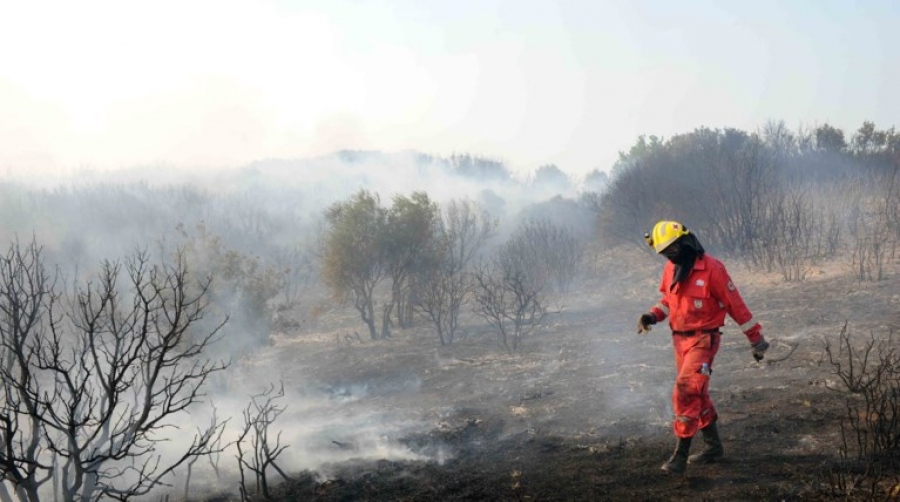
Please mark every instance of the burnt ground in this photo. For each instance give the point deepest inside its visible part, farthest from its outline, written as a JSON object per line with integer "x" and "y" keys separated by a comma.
{"x": 582, "y": 412}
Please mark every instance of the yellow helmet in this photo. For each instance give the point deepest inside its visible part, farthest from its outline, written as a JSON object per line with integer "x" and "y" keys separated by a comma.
{"x": 665, "y": 233}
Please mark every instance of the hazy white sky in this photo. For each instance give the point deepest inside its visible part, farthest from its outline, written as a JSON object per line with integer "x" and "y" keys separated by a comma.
{"x": 111, "y": 84}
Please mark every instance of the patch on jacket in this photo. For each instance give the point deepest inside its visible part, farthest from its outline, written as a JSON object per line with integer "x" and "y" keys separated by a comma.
{"x": 698, "y": 304}
{"x": 700, "y": 283}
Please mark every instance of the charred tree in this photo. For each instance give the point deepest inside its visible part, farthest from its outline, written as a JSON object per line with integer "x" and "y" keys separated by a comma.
{"x": 506, "y": 298}
{"x": 92, "y": 382}
{"x": 257, "y": 449}
{"x": 446, "y": 281}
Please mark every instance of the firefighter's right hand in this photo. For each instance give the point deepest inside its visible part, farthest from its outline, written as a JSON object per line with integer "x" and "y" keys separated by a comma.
{"x": 645, "y": 322}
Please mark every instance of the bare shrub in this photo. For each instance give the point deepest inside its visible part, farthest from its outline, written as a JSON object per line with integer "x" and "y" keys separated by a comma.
{"x": 446, "y": 282}
{"x": 298, "y": 267}
{"x": 507, "y": 299}
{"x": 257, "y": 447}
{"x": 870, "y": 225}
{"x": 869, "y": 453}
{"x": 795, "y": 237}
{"x": 511, "y": 287}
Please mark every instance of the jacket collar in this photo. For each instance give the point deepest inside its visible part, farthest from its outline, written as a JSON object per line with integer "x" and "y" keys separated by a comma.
{"x": 700, "y": 263}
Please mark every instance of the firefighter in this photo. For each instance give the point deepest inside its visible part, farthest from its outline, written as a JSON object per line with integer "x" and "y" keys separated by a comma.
{"x": 696, "y": 294}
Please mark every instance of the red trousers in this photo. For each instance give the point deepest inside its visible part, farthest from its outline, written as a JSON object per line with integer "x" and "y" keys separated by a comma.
{"x": 690, "y": 399}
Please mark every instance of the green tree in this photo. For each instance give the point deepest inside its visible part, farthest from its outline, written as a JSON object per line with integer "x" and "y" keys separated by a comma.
{"x": 410, "y": 229}
{"x": 643, "y": 148}
{"x": 353, "y": 252}
{"x": 244, "y": 285}
{"x": 880, "y": 147}
{"x": 830, "y": 139}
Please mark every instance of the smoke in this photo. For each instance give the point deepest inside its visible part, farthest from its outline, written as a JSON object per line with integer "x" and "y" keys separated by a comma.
{"x": 278, "y": 203}
{"x": 254, "y": 213}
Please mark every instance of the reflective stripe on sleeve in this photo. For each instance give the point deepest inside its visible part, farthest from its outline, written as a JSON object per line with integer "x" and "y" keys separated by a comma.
{"x": 747, "y": 325}
{"x": 662, "y": 307}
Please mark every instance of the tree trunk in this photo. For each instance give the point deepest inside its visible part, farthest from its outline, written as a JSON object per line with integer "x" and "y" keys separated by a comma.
{"x": 386, "y": 321}
{"x": 408, "y": 311}
{"x": 28, "y": 492}
{"x": 369, "y": 318}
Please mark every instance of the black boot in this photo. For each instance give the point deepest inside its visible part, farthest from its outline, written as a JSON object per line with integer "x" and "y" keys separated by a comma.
{"x": 678, "y": 463}
{"x": 713, "y": 449}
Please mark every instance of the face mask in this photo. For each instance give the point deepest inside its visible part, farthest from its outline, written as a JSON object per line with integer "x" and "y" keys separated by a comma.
{"x": 673, "y": 252}
{"x": 679, "y": 255}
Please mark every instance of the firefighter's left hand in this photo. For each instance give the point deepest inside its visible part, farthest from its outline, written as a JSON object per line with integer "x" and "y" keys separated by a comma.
{"x": 759, "y": 349}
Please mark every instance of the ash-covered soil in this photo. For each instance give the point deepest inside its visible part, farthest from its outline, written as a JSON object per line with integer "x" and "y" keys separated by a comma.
{"x": 582, "y": 412}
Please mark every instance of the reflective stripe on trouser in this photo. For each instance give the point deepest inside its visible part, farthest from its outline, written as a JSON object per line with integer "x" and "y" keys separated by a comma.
{"x": 690, "y": 400}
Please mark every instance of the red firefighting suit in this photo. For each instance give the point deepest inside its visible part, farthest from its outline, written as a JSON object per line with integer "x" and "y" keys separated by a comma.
{"x": 696, "y": 310}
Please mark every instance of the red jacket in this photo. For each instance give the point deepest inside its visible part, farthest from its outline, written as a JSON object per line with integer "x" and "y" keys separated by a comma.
{"x": 704, "y": 298}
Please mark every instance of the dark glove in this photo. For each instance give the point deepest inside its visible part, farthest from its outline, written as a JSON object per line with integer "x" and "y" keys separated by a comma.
{"x": 645, "y": 322}
{"x": 759, "y": 349}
